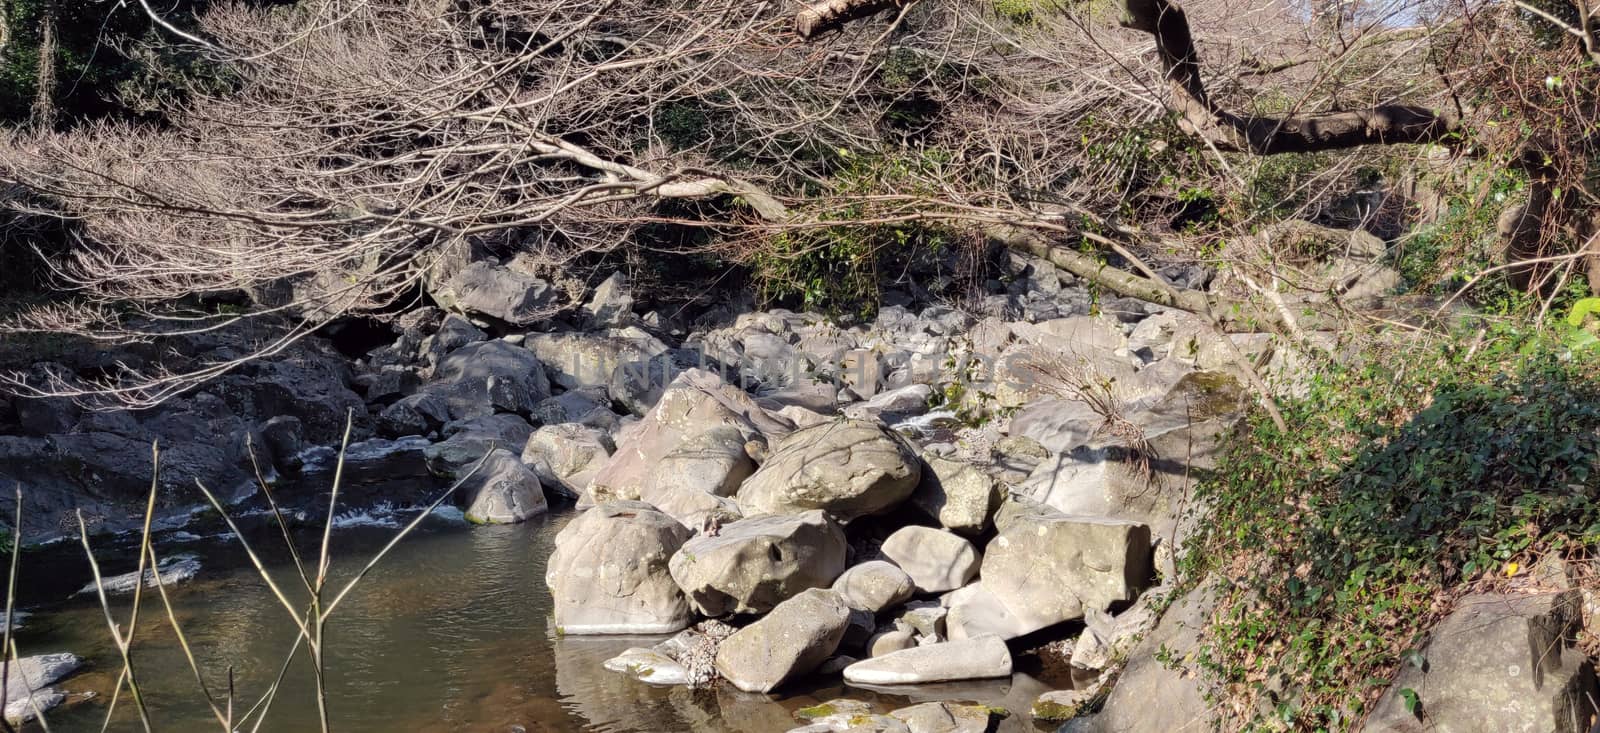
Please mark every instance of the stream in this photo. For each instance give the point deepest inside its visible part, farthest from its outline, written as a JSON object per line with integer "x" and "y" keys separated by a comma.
{"x": 450, "y": 632}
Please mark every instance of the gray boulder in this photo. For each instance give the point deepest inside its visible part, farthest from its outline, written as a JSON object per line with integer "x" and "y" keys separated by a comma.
{"x": 936, "y": 560}
{"x": 1184, "y": 699}
{"x": 695, "y": 403}
{"x": 1501, "y": 662}
{"x": 417, "y": 414}
{"x": 874, "y": 586}
{"x": 469, "y": 440}
{"x": 488, "y": 377}
{"x": 948, "y": 717}
{"x": 31, "y": 677}
{"x": 1045, "y": 568}
{"x": 693, "y": 480}
{"x": 499, "y": 292}
{"x": 959, "y": 495}
{"x": 612, "y": 302}
{"x": 984, "y": 657}
{"x": 799, "y": 634}
{"x": 502, "y": 491}
{"x": 577, "y": 360}
{"x": 650, "y": 666}
{"x": 848, "y": 468}
{"x": 608, "y": 573}
{"x": 753, "y": 564}
{"x": 566, "y": 457}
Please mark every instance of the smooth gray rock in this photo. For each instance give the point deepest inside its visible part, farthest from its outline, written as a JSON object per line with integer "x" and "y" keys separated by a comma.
{"x": 32, "y": 676}
{"x": 489, "y": 289}
{"x": 608, "y": 573}
{"x": 890, "y": 641}
{"x": 502, "y": 491}
{"x": 848, "y": 468}
{"x": 936, "y": 560}
{"x": 753, "y": 564}
{"x": 947, "y": 717}
{"x": 469, "y": 440}
{"x": 1045, "y": 568}
{"x": 959, "y": 495}
{"x": 875, "y": 586}
{"x": 799, "y": 634}
{"x": 695, "y": 403}
{"x": 566, "y": 457}
{"x": 490, "y": 376}
{"x": 693, "y": 480}
{"x": 1501, "y": 662}
{"x": 649, "y": 665}
{"x": 1184, "y": 704}
{"x": 981, "y": 658}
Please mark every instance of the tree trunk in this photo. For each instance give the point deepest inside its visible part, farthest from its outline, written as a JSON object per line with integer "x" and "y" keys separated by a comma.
{"x": 818, "y": 18}
{"x": 44, "y": 99}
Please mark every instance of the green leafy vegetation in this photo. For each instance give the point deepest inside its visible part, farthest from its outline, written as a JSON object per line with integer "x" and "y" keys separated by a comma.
{"x": 1403, "y": 478}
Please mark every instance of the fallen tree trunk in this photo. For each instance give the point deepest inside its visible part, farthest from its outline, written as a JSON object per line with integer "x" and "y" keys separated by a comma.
{"x": 818, "y": 18}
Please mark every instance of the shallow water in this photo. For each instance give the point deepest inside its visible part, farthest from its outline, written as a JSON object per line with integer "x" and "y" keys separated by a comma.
{"x": 450, "y": 633}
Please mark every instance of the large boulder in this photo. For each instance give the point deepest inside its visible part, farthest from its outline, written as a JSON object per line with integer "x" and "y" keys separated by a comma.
{"x": 501, "y": 491}
{"x": 1502, "y": 662}
{"x": 695, "y": 403}
{"x": 608, "y": 573}
{"x": 848, "y": 468}
{"x": 797, "y": 636}
{"x": 752, "y": 565}
{"x": 875, "y": 586}
{"x": 983, "y": 657}
{"x": 958, "y": 495}
{"x": 469, "y": 440}
{"x": 489, "y": 289}
{"x": 1045, "y": 567}
{"x": 488, "y": 377}
{"x": 693, "y": 480}
{"x": 566, "y": 457}
{"x": 28, "y": 684}
{"x": 577, "y": 360}
{"x": 936, "y": 560}
{"x": 1096, "y": 473}
{"x": 1164, "y": 660}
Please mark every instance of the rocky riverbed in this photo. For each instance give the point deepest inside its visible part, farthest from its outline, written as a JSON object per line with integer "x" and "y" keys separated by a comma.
{"x": 778, "y": 500}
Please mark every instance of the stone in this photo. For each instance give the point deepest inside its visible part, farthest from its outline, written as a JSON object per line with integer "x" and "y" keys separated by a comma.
{"x": 753, "y": 564}
{"x": 490, "y": 376}
{"x": 589, "y": 406}
{"x": 502, "y": 491}
{"x": 608, "y": 573}
{"x": 983, "y": 657}
{"x": 848, "y": 468}
{"x": 1045, "y": 567}
{"x": 1106, "y": 638}
{"x": 936, "y": 560}
{"x": 649, "y": 665}
{"x": 890, "y": 641}
{"x": 612, "y": 302}
{"x": 566, "y": 457}
{"x": 469, "y": 440}
{"x": 874, "y": 586}
{"x": 693, "y": 480}
{"x": 417, "y": 414}
{"x": 493, "y": 290}
{"x": 696, "y": 402}
{"x": 32, "y": 677}
{"x": 1165, "y": 660}
{"x": 958, "y": 495}
{"x": 948, "y": 717}
{"x": 1061, "y": 704}
{"x": 577, "y": 360}
{"x": 1499, "y": 661}
{"x": 924, "y": 617}
{"x": 1097, "y": 474}
{"x": 893, "y": 406}
{"x": 799, "y": 634}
